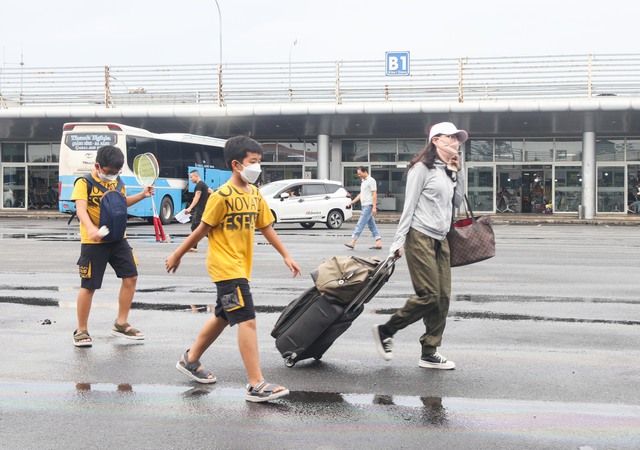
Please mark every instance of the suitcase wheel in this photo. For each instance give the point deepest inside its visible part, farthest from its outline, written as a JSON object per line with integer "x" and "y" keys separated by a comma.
{"x": 317, "y": 358}
{"x": 289, "y": 362}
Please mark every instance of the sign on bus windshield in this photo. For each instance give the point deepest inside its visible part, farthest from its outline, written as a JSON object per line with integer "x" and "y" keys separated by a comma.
{"x": 89, "y": 141}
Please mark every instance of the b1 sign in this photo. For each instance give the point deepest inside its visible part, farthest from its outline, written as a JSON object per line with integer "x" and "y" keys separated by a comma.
{"x": 397, "y": 63}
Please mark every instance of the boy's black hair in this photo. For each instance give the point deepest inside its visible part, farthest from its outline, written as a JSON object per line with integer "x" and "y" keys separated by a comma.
{"x": 110, "y": 156}
{"x": 237, "y": 147}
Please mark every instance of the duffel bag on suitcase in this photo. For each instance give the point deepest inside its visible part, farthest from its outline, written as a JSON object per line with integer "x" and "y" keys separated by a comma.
{"x": 342, "y": 277}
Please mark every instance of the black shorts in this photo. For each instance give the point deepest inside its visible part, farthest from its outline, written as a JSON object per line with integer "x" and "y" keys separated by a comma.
{"x": 94, "y": 258}
{"x": 234, "y": 303}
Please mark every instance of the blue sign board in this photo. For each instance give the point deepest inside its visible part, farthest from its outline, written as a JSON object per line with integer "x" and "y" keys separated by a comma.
{"x": 397, "y": 64}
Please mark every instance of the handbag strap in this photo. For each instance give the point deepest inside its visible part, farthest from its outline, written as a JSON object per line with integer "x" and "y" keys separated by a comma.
{"x": 468, "y": 206}
{"x": 467, "y": 209}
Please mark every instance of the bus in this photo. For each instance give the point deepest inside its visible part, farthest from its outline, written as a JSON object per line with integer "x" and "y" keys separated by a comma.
{"x": 176, "y": 154}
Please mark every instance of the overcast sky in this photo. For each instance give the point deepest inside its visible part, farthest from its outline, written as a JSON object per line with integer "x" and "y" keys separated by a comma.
{"x": 64, "y": 33}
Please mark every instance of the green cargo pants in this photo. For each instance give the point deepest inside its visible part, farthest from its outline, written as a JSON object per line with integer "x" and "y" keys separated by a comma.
{"x": 430, "y": 271}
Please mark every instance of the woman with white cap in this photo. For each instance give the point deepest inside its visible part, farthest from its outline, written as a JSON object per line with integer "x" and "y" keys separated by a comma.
{"x": 435, "y": 183}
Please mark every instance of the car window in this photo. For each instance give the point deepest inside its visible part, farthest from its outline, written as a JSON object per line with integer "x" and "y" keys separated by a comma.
{"x": 294, "y": 191}
{"x": 313, "y": 189}
{"x": 272, "y": 188}
{"x": 331, "y": 188}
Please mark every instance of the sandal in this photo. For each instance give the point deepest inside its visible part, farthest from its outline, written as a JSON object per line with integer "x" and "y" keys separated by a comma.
{"x": 126, "y": 331}
{"x": 82, "y": 339}
{"x": 190, "y": 369}
{"x": 263, "y": 392}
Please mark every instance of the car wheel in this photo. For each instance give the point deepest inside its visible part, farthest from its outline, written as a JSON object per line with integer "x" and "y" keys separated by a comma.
{"x": 307, "y": 225}
{"x": 335, "y": 219}
{"x": 166, "y": 210}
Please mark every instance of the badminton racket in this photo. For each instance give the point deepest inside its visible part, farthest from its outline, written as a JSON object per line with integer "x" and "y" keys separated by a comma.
{"x": 146, "y": 170}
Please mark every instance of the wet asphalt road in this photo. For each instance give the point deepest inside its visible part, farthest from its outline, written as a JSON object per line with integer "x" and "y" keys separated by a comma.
{"x": 545, "y": 338}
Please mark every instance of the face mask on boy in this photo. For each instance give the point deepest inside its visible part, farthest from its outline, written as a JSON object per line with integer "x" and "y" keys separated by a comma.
{"x": 107, "y": 178}
{"x": 250, "y": 173}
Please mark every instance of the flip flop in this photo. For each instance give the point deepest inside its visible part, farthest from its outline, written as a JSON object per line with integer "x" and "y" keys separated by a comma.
{"x": 349, "y": 245}
{"x": 375, "y": 248}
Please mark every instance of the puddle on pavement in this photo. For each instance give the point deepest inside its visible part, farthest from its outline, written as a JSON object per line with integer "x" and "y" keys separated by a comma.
{"x": 75, "y": 236}
{"x": 139, "y": 237}
{"x": 270, "y": 309}
{"x": 536, "y": 299}
{"x": 308, "y": 405}
{"x": 4, "y": 287}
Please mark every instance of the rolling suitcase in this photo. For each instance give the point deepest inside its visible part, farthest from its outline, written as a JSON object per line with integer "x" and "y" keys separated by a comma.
{"x": 310, "y": 324}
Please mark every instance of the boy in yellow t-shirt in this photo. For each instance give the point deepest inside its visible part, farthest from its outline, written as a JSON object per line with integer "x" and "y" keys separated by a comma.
{"x": 232, "y": 214}
{"x": 95, "y": 253}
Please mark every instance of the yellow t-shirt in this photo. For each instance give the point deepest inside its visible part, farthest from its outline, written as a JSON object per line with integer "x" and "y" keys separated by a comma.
{"x": 234, "y": 216}
{"x": 80, "y": 192}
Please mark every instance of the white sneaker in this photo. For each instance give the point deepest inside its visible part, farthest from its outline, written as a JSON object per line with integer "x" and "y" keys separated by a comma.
{"x": 436, "y": 361}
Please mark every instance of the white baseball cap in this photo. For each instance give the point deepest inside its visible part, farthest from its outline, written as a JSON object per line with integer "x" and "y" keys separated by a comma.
{"x": 447, "y": 128}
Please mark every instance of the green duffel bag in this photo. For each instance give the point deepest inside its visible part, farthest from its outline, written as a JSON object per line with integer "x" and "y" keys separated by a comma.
{"x": 342, "y": 277}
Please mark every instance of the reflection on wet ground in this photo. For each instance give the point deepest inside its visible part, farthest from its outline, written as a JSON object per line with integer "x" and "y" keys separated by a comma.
{"x": 309, "y": 406}
{"x": 208, "y": 308}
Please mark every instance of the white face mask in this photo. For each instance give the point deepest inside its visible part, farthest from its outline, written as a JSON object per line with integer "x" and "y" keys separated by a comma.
{"x": 107, "y": 178}
{"x": 250, "y": 173}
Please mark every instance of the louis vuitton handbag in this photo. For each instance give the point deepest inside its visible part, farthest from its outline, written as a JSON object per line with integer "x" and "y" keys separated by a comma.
{"x": 471, "y": 239}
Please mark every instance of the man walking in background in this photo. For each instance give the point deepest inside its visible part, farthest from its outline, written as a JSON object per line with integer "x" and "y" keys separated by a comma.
{"x": 200, "y": 197}
{"x": 368, "y": 197}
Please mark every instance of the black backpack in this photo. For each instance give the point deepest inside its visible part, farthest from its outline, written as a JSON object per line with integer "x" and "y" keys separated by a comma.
{"x": 113, "y": 209}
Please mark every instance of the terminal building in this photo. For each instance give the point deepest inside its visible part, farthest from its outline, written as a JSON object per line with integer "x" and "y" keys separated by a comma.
{"x": 552, "y": 134}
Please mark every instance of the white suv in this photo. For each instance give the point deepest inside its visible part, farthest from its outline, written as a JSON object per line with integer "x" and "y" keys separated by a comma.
{"x": 308, "y": 201}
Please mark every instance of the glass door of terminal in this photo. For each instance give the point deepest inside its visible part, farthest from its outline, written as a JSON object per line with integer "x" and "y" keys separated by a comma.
{"x": 14, "y": 187}
{"x": 390, "y": 182}
{"x": 524, "y": 189}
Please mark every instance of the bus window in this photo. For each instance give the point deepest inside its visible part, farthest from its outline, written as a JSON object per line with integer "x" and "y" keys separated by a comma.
{"x": 191, "y": 155}
{"x": 137, "y": 146}
{"x": 89, "y": 141}
{"x": 196, "y": 154}
{"x": 170, "y": 153}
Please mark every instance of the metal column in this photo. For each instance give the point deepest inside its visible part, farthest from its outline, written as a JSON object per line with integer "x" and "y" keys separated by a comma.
{"x": 324, "y": 147}
{"x": 589, "y": 174}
